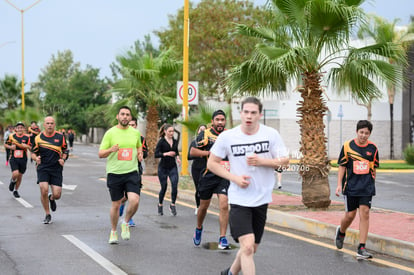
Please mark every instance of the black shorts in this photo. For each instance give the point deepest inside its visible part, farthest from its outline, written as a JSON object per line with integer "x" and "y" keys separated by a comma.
{"x": 18, "y": 164}
{"x": 120, "y": 184}
{"x": 352, "y": 203}
{"x": 53, "y": 176}
{"x": 247, "y": 220}
{"x": 208, "y": 187}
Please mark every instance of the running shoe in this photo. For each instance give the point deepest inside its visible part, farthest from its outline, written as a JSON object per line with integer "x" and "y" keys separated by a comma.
{"x": 339, "y": 240}
{"x": 225, "y": 272}
{"x": 160, "y": 211}
{"x": 279, "y": 185}
{"x": 363, "y": 253}
{"x": 113, "y": 238}
{"x": 131, "y": 223}
{"x": 223, "y": 243}
{"x": 197, "y": 236}
{"x": 52, "y": 204}
{"x": 11, "y": 185}
{"x": 121, "y": 209}
{"x": 125, "y": 234}
{"x": 48, "y": 219}
{"x": 16, "y": 194}
{"x": 173, "y": 210}
{"x": 7, "y": 163}
{"x": 196, "y": 211}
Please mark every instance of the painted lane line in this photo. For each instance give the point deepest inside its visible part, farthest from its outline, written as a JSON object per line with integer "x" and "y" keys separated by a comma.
{"x": 24, "y": 203}
{"x": 113, "y": 269}
{"x": 69, "y": 187}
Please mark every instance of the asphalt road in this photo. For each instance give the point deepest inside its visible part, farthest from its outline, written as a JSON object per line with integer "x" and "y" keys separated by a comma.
{"x": 76, "y": 241}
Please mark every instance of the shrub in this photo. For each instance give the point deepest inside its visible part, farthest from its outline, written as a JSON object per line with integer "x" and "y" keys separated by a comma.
{"x": 409, "y": 154}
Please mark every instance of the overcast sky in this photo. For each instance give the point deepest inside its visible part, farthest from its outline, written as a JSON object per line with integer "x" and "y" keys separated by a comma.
{"x": 98, "y": 30}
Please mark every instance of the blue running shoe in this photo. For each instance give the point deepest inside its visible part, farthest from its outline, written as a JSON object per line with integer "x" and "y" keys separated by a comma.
{"x": 131, "y": 223}
{"x": 121, "y": 209}
{"x": 197, "y": 236}
{"x": 223, "y": 243}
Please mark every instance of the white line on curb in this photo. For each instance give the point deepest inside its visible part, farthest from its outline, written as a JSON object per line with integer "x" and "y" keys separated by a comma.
{"x": 113, "y": 269}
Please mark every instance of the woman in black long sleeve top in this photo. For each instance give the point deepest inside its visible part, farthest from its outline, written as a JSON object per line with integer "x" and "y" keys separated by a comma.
{"x": 167, "y": 150}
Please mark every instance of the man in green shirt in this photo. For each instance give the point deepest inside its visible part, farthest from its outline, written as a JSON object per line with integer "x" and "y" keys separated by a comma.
{"x": 121, "y": 145}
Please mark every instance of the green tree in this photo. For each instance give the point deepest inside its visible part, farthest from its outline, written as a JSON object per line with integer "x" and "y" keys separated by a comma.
{"x": 149, "y": 83}
{"x": 70, "y": 92}
{"x": 213, "y": 48}
{"x": 382, "y": 32}
{"x": 308, "y": 39}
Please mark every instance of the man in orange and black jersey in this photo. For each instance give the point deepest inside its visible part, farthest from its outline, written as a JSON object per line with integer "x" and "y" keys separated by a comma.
{"x": 33, "y": 131}
{"x": 18, "y": 143}
{"x": 50, "y": 153}
{"x": 357, "y": 162}
{"x": 209, "y": 183}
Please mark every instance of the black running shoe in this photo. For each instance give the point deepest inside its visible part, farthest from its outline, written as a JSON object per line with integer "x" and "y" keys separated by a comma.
{"x": 339, "y": 240}
{"x": 11, "y": 185}
{"x": 173, "y": 210}
{"x": 48, "y": 219}
{"x": 225, "y": 272}
{"x": 160, "y": 211}
{"x": 363, "y": 253}
{"x": 16, "y": 194}
{"x": 52, "y": 204}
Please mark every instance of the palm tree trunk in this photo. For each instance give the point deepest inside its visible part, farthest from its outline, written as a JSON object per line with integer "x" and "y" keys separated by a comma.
{"x": 151, "y": 163}
{"x": 314, "y": 164}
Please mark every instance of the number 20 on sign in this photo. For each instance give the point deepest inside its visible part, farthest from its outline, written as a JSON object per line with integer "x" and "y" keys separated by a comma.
{"x": 192, "y": 92}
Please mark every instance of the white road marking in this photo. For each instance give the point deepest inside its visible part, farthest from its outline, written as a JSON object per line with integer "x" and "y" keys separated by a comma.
{"x": 69, "y": 187}
{"x": 24, "y": 203}
{"x": 1, "y": 183}
{"x": 113, "y": 269}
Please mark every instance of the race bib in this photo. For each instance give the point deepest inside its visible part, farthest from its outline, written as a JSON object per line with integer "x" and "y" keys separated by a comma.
{"x": 361, "y": 167}
{"x": 125, "y": 154}
{"x": 225, "y": 164}
{"x": 18, "y": 154}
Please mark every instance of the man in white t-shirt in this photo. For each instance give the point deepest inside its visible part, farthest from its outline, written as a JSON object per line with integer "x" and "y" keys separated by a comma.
{"x": 254, "y": 152}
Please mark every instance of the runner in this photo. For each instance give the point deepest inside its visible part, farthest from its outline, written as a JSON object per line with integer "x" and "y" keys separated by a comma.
{"x": 122, "y": 146}
{"x": 8, "y": 132}
{"x": 33, "y": 131}
{"x": 167, "y": 150}
{"x": 134, "y": 124}
{"x": 254, "y": 152}
{"x": 18, "y": 143}
{"x": 357, "y": 161}
{"x": 49, "y": 151}
{"x": 71, "y": 138}
{"x": 209, "y": 183}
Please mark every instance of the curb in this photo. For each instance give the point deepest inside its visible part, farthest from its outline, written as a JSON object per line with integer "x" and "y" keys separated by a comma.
{"x": 380, "y": 244}
{"x": 377, "y": 243}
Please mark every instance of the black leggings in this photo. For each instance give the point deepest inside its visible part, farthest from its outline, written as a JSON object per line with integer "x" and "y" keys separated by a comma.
{"x": 163, "y": 174}
{"x": 196, "y": 174}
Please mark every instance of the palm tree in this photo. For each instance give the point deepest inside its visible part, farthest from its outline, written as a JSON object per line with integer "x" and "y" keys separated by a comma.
{"x": 10, "y": 88}
{"x": 150, "y": 83}
{"x": 308, "y": 40}
{"x": 382, "y": 31}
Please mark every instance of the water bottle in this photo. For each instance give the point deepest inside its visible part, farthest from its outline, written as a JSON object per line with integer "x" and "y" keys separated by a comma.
{"x": 250, "y": 152}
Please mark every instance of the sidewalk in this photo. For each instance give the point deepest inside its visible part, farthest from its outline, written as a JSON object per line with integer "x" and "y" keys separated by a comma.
{"x": 390, "y": 232}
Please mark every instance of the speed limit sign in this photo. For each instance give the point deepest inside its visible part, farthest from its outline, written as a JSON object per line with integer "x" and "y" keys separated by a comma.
{"x": 192, "y": 92}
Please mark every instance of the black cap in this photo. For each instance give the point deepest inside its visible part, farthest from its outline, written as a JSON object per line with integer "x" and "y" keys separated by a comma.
{"x": 19, "y": 123}
{"x": 218, "y": 112}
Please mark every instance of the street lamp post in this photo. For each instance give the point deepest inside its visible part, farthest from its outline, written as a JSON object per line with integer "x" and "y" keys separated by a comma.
{"x": 186, "y": 28}
{"x": 22, "y": 16}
